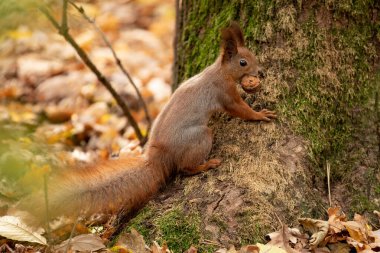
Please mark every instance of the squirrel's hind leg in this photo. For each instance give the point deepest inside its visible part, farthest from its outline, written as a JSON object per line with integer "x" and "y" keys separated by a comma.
{"x": 210, "y": 164}
{"x": 192, "y": 160}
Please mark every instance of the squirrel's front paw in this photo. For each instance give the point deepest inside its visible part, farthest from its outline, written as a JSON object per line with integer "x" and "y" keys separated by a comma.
{"x": 266, "y": 115}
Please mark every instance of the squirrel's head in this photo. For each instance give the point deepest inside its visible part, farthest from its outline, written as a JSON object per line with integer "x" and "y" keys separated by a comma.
{"x": 237, "y": 60}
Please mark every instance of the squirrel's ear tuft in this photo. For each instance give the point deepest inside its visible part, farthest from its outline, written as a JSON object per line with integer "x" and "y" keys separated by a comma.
{"x": 229, "y": 45}
{"x": 237, "y": 32}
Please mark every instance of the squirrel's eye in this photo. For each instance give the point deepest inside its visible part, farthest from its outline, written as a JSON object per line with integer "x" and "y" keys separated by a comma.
{"x": 243, "y": 62}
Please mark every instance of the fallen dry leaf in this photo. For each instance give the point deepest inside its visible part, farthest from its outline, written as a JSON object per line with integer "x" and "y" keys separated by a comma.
{"x": 156, "y": 248}
{"x": 377, "y": 213}
{"x": 224, "y": 250}
{"x": 334, "y": 238}
{"x": 336, "y": 217}
{"x": 357, "y": 231}
{"x": 375, "y": 246}
{"x": 62, "y": 86}
{"x": 85, "y": 242}
{"x": 322, "y": 250}
{"x": 293, "y": 235}
{"x": 249, "y": 249}
{"x": 318, "y": 228}
{"x": 10, "y": 91}
{"x": 362, "y": 220}
{"x": 32, "y": 68}
{"x": 339, "y": 248}
{"x": 192, "y": 249}
{"x": 57, "y": 114}
{"x": 375, "y": 234}
{"x": 357, "y": 245}
{"x": 270, "y": 248}
{"x": 133, "y": 241}
{"x": 13, "y": 228}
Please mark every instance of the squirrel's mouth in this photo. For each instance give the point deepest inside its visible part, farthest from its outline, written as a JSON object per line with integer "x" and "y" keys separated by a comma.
{"x": 250, "y": 84}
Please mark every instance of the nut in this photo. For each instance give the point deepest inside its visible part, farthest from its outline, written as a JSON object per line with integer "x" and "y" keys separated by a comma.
{"x": 250, "y": 84}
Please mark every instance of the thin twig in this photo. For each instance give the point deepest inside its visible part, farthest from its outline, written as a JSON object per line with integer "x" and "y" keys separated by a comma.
{"x": 328, "y": 181}
{"x": 71, "y": 235}
{"x": 5, "y": 247}
{"x": 47, "y": 205}
{"x": 64, "y": 27}
{"x": 102, "y": 79}
{"x": 117, "y": 60}
{"x": 279, "y": 220}
{"x": 209, "y": 242}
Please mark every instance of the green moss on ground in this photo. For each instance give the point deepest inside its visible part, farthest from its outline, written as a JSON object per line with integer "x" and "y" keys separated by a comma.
{"x": 251, "y": 231}
{"x": 143, "y": 223}
{"x": 175, "y": 227}
{"x": 178, "y": 229}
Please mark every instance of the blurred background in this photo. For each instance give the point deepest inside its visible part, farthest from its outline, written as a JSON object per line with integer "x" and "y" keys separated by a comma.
{"x": 53, "y": 110}
{"x": 46, "y": 87}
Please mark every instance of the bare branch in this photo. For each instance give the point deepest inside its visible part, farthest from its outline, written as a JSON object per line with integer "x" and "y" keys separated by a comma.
{"x": 64, "y": 27}
{"x": 102, "y": 79}
{"x": 50, "y": 17}
{"x": 118, "y": 62}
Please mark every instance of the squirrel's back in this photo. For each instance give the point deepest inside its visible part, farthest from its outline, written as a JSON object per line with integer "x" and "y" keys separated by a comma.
{"x": 190, "y": 105}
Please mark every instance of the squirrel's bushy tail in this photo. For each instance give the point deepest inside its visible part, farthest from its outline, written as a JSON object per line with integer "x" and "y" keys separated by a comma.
{"x": 102, "y": 187}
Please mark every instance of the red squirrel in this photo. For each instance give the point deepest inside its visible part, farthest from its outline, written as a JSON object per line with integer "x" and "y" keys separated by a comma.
{"x": 180, "y": 140}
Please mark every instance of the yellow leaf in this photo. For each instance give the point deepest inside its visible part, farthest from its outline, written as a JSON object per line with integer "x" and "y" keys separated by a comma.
{"x": 20, "y": 34}
{"x": 270, "y": 248}
{"x": 356, "y": 231}
{"x": 358, "y": 245}
{"x": 25, "y": 140}
{"x": 105, "y": 118}
{"x": 120, "y": 249}
{"x": 23, "y": 117}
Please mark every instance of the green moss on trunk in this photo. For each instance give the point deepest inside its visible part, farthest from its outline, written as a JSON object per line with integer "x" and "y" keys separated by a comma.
{"x": 320, "y": 56}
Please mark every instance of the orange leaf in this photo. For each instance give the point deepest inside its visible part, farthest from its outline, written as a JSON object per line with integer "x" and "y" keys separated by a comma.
{"x": 356, "y": 231}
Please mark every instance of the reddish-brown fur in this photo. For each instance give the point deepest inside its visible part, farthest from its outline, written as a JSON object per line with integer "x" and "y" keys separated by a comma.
{"x": 180, "y": 140}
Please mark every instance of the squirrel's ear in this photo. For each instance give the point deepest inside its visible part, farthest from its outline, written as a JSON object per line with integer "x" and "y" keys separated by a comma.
{"x": 229, "y": 45}
{"x": 237, "y": 32}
